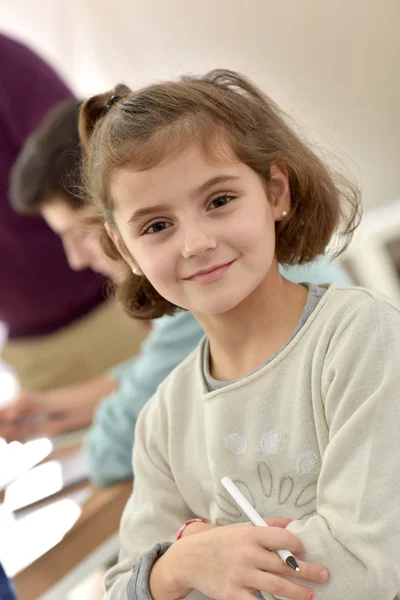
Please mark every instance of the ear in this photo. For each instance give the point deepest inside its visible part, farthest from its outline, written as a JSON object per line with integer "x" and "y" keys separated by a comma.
{"x": 279, "y": 192}
{"x": 122, "y": 249}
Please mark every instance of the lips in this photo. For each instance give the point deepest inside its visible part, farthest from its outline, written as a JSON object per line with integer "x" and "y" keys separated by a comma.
{"x": 209, "y": 274}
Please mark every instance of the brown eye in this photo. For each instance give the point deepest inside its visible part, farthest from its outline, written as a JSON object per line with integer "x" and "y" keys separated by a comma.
{"x": 156, "y": 227}
{"x": 220, "y": 201}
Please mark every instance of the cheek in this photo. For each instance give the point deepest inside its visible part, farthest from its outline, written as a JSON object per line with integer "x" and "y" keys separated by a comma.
{"x": 156, "y": 262}
{"x": 252, "y": 234}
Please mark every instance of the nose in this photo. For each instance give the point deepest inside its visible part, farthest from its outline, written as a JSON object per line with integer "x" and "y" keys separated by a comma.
{"x": 76, "y": 255}
{"x": 197, "y": 239}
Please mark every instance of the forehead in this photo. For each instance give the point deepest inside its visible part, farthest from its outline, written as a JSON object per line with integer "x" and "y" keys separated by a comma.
{"x": 182, "y": 173}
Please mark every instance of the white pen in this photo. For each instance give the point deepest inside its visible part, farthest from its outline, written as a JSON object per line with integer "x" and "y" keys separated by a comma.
{"x": 255, "y": 518}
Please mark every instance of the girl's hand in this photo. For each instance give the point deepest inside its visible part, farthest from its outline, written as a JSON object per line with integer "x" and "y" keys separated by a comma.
{"x": 229, "y": 563}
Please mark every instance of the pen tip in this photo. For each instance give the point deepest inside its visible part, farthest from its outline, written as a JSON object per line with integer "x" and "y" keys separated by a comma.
{"x": 291, "y": 561}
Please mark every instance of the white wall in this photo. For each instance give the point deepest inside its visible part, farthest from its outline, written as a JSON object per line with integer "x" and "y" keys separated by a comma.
{"x": 334, "y": 65}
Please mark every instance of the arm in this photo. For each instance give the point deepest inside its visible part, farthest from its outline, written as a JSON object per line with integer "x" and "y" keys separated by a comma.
{"x": 356, "y": 530}
{"x": 154, "y": 512}
{"x": 55, "y": 411}
{"x": 110, "y": 440}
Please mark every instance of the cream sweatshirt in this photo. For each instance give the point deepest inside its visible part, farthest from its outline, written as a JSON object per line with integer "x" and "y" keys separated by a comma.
{"x": 312, "y": 436}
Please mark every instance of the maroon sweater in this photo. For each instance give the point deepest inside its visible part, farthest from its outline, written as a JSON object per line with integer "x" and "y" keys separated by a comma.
{"x": 39, "y": 293}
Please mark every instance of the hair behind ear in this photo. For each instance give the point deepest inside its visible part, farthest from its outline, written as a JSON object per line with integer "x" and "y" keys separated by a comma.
{"x": 95, "y": 109}
{"x": 138, "y": 297}
{"x": 108, "y": 246}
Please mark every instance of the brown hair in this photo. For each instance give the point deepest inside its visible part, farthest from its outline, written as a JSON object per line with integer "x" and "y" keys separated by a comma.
{"x": 140, "y": 129}
{"x": 49, "y": 162}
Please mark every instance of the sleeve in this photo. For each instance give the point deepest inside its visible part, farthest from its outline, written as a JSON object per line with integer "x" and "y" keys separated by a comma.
{"x": 321, "y": 270}
{"x": 25, "y": 99}
{"x": 156, "y": 509}
{"x": 118, "y": 372}
{"x": 356, "y": 530}
{"x": 138, "y": 586}
{"x": 110, "y": 440}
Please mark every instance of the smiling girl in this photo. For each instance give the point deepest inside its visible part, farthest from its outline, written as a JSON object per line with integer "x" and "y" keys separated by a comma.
{"x": 293, "y": 393}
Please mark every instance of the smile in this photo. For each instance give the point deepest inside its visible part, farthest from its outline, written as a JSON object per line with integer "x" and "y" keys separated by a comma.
{"x": 210, "y": 274}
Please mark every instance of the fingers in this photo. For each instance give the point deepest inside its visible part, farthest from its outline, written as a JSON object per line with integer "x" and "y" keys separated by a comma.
{"x": 56, "y": 423}
{"x": 9, "y": 414}
{"x": 24, "y": 429}
{"x": 36, "y": 425}
{"x": 276, "y": 538}
{"x": 31, "y": 427}
{"x": 277, "y": 522}
{"x": 40, "y": 428}
{"x": 10, "y": 428}
{"x": 8, "y": 432}
{"x": 278, "y": 586}
{"x": 273, "y": 563}
{"x": 308, "y": 571}
{"x": 26, "y": 403}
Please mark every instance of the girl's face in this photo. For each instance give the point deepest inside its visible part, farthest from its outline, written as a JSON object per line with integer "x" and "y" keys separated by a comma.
{"x": 201, "y": 231}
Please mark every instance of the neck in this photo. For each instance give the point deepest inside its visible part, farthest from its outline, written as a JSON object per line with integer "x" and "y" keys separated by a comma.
{"x": 245, "y": 337}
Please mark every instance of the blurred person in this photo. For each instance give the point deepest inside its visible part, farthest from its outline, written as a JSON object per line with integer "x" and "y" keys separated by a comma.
{"x": 61, "y": 329}
{"x": 110, "y": 440}
{"x": 6, "y": 588}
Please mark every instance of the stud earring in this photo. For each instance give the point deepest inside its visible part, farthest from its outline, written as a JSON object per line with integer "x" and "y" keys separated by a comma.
{"x": 135, "y": 271}
{"x": 284, "y": 213}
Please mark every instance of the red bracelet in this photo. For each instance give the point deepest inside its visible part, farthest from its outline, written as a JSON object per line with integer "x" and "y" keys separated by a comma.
{"x": 182, "y": 529}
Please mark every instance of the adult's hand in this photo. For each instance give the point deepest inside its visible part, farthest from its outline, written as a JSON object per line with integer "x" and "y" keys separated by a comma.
{"x": 49, "y": 413}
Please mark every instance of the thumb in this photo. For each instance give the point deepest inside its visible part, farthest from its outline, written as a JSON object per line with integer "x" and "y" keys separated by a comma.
{"x": 277, "y": 522}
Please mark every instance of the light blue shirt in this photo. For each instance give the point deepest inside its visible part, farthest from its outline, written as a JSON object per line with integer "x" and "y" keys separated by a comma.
{"x": 110, "y": 439}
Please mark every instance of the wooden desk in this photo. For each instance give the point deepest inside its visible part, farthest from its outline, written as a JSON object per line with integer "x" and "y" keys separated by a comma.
{"x": 98, "y": 522}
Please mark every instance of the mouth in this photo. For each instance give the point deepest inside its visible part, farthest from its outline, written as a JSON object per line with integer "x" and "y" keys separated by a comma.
{"x": 209, "y": 274}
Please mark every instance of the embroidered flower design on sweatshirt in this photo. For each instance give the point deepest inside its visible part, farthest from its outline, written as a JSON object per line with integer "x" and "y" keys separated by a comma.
{"x": 236, "y": 444}
{"x": 269, "y": 442}
{"x": 288, "y": 492}
{"x": 282, "y": 490}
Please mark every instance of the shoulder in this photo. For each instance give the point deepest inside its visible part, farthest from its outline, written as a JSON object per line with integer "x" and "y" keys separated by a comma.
{"x": 24, "y": 100}
{"x": 360, "y": 304}
{"x": 185, "y": 378}
{"x": 16, "y": 55}
{"x": 362, "y": 326}
{"x": 172, "y": 405}
{"x": 179, "y": 387}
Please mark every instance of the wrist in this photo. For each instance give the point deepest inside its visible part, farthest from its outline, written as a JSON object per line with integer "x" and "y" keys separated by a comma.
{"x": 99, "y": 388}
{"x": 196, "y": 527}
{"x": 167, "y": 579}
{"x": 187, "y": 524}
{"x": 84, "y": 395}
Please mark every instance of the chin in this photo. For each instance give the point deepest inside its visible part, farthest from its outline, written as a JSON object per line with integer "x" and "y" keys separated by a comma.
{"x": 218, "y": 307}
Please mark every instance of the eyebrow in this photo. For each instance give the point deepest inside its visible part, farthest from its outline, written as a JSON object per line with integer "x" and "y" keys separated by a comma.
{"x": 159, "y": 208}
{"x": 214, "y": 181}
